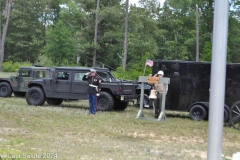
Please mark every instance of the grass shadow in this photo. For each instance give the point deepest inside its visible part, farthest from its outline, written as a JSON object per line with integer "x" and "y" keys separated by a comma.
{"x": 67, "y": 106}
{"x": 178, "y": 115}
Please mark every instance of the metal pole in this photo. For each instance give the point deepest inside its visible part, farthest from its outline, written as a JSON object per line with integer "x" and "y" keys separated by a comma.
{"x": 142, "y": 79}
{"x": 162, "y": 115}
{"x": 217, "y": 84}
{"x": 165, "y": 82}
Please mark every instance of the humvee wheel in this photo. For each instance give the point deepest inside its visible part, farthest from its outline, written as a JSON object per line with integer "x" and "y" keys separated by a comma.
{"x": 19, "y": 94}
{"x": 35, "y": 96}
{"x": 54, "y": 101}
{"x": 198, "y": 112}
{"x": 235, "y": 115}
{"x": 105, "y": 102}
{"x": 5, "y": 89}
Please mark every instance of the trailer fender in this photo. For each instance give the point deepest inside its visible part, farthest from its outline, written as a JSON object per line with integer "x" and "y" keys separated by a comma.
{"x": 204, "y": 104}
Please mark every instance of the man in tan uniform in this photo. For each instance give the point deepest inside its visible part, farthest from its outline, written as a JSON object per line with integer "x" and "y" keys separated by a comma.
{"x": 159, "y": 91}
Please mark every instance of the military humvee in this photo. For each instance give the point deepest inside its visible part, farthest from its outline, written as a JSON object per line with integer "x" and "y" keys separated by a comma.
{"x": 17, "y": 85}
{"x": 66, "y": 83}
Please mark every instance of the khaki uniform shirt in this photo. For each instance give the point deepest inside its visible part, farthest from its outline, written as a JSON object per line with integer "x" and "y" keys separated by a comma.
{"x": 159, "y": 87}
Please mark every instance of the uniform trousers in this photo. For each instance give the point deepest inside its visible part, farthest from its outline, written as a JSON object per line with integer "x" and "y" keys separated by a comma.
{"x": 92, "y": 103}
{"x": 157, "y": 104}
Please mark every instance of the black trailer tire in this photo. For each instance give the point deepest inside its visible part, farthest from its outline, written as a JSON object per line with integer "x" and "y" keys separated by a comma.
{"x": 35, "y": 96}
{"x": 5, "y": 89}
{"x": 146, "y": 101}
{"x": 226, "y": 115}
{"x": 105, "y": 102}
{"x": 235, "y": 115}
{"x": 19, "y": 94}
{"x": 54, "y": 101}
{"x": 120, "y": 106}
{"x": 198, "y": 113}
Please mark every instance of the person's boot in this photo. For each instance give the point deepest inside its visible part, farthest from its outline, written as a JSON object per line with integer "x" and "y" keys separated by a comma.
{"x": 156, "y": 115}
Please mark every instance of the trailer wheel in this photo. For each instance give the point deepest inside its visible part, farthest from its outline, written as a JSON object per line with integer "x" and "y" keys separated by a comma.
{"x": 198, "y": 112}
{"x": 5, "y": 89}
{"x": 226, "y": 115}
{"x": 35, "y": 96}
{"x": 146, "y": 102}
{"x": 235, "y": 115}
{"x": 54, "y": 101}
{"x": 105, "y": 102}
{"x": 19, "y": 94}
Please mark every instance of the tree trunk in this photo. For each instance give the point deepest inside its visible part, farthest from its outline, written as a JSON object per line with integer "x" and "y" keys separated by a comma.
{"x": 95, "y": 35}
{"x": 4, "y": 33}
{"x": 197, "y": 35}
{"x": 126, "y": 37}
{"x": 176, "y": 40}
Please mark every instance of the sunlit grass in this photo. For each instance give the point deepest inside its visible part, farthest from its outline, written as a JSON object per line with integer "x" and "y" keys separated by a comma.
{"x": 70, "y": 132}
{"x": 6, "y": 74}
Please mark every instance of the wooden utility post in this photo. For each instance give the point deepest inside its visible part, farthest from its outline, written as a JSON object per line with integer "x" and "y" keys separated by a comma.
{"x": 197, "y": 35}
{"x": 4, "y": 33}
{"x": 126, "y": 37}
{"x": 95, "y": 35}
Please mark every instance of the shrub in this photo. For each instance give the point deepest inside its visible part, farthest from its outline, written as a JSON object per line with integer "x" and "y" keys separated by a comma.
{"x": 15, "y": 66}
{"x": 7, "y": 66}
{"x": 12, "y": 67}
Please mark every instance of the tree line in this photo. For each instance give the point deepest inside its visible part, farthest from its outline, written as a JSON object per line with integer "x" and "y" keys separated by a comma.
{"x": 60, "y": 32}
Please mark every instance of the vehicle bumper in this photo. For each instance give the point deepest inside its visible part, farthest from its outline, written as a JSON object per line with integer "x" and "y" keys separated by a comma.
{"x": 127, "y": 98}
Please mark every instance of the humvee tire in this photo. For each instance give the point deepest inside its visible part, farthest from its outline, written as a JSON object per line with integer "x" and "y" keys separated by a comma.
{"x": 35, "y": 96}
{"x": 19, "y": 94}
{"x": 105, "y": 101}
{"x": 5, "y": 89}
{"x": 54, "y": 101}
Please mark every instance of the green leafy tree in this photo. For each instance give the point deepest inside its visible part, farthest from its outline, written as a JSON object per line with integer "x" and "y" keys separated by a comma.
{"x": 110, "y": 32}
{"x": 60, "y": 47}
{"x": 207, "y": 53}
{"x": 26, "y": 32}
{"x": 143, "y": 35}
{"x": 234, "y": 39}
{"x": 136, "y": 69}
{"x": 178, "y": 25}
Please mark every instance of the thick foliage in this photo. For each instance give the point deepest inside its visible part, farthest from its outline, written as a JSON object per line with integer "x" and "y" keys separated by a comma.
{"x": 13, "y": 67}
{"x": 58, "y": 31}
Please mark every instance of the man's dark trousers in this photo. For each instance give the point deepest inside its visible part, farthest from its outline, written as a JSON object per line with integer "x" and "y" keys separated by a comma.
{"x": 92, "y": 103}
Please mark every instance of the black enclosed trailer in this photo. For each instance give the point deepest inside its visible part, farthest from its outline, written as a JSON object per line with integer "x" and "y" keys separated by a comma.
{"x": 189, "y": 88}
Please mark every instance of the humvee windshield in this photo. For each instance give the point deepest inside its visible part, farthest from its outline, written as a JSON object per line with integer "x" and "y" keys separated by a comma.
{"x": 106, "y": 76}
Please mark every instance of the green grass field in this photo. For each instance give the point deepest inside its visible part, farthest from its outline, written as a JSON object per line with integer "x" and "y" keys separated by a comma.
{"x": 68, "y": 132}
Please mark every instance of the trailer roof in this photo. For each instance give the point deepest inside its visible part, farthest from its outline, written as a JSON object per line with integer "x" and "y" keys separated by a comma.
{"x": 193, "y": 62}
